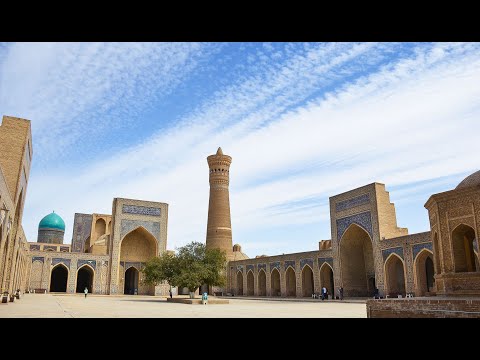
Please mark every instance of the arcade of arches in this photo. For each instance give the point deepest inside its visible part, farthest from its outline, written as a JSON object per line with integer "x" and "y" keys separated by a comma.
{"x": 369, "y": 253}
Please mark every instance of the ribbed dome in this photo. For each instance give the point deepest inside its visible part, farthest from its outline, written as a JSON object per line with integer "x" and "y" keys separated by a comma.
{"x": 470, "y": 180}
{"x": 52, "y": 221}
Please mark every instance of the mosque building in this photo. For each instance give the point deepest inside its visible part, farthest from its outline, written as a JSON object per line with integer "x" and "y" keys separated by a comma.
{"x": 367, "y": 251}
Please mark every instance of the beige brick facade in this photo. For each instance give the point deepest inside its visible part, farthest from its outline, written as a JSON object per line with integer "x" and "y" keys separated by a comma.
{"x": 15, "y": 159}
{"x": 367, "y": 251}
{"x": 115, "y": 250}
{"x": 455, "y": 225}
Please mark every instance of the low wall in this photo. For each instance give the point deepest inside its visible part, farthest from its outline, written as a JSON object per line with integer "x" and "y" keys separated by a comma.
{"x": 423, "y": 307}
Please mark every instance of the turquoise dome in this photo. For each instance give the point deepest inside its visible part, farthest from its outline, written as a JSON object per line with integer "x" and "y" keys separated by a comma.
{"x": 52, "y": 221}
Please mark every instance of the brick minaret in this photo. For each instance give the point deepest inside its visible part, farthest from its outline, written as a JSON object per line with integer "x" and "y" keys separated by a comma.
{"x": 219, "y": 226}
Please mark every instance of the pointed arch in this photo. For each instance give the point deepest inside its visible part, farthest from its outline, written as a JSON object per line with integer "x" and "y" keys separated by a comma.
{"x": 394, "y": 270}
{"x": 262, "y": 283}
{"x": 423, "y": 272}
{"x": 138, "y": 245}
{"x": 463, "y": 245}
{"x": 291, "y": 281}
{"x": 357, "y": 263}
{"x": 275, "y": 289}
{"x": 308, "y": 283}
{"x": 326, "y": 278}
{"x": 131, "y": 281}
{"x": 239, "y": 283}
{"x": 100, "y": 228}
{"x": 59, "y": 278}
{"x": 85, "y": 278}
{"x": 250, "y": 283}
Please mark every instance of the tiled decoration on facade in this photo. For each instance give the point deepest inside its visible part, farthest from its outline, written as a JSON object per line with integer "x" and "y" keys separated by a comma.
{"x": 363, "y": 219}
{"x": 306, "y": 261}
{"x": 240, "y": 268}
{"x": 262, "y": 266}
{"x": 327, "y": 260}
{"x": 136, "y": 264}
{"x": 64, "y": 249}
{"x": 275, "y": 264}
{"x": 250, "y": 267}
{"x": 350, "y": 203}
{"x": 49, "y": 247}
{"x": 395, "y": 250}
{"x": 92, "y": 263}
{"x": 38, "y": 258}
{"x": 290, "y": 263}
{"x": 419, "y": 247}
{"x": 140, "y": 210}
{"x": 82, "y": 228}
{"x": 129, "y": 225}
{"x": 65, "y": 262}
{"x": 34, "y": 247}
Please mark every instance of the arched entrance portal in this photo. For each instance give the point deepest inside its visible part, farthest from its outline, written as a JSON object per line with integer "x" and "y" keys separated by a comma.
{"x": 138, "y": 246}
{"x": 84, "y": 279}
{"x": 131, "y": 281}
{"x": 356, "y": 262}
{"x": 275, "y": 283}
{"x": 59, "y": 278}
{"x": 307, "y": 281}
{"x": 250, "y": 282}
{"x": 291, "y": 282}
{"x": 424, "y": 273}
{"x": 395, "y": 276}
{"x": 239, "y": 283}
{"x": 463, "y": 239}
{"x": 326, "y": 278}
{"x": 262, "y": 283}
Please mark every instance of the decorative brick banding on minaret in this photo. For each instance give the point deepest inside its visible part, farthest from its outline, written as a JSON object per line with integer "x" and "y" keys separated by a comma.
{"x": 219, "y": 226}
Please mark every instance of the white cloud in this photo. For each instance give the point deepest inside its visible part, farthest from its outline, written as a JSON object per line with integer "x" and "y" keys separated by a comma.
{"x": 413, "y": 120}
{"x": 78, "y": 89}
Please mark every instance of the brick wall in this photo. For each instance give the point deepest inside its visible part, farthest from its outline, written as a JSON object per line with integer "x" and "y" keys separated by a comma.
{"x": 414, "y": 308}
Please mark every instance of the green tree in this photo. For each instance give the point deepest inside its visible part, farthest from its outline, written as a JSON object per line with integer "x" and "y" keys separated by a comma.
{"x": 191, "y": 267}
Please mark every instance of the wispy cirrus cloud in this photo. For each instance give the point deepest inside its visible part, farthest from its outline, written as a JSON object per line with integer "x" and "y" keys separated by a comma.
{"x": 75, "y": 89}
{"x": 302, "y": 123}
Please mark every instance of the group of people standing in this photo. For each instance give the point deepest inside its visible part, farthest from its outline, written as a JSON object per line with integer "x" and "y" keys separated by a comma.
{"x": 324, "y": 293}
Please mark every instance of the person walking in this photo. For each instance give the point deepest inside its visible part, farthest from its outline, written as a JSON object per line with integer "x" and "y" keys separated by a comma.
{"x": 341, "y": 293}
{"x": 85, "y": 291}
{"x": 170, "y": 292}
{"x": 324, "y": 292}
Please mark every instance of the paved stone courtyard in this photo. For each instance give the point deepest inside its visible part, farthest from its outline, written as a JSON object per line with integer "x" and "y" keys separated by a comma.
{"x": 76, "y": 306}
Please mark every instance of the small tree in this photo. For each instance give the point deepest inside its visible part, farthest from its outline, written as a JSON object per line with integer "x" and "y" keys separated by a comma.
{"x": 191, "y": 267}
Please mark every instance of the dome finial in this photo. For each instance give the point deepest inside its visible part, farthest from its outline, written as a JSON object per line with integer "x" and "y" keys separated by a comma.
{"x": 219, "y": 151}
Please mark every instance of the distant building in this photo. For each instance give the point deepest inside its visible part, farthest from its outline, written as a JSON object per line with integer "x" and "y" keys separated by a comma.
{"x": 367, "y": 250}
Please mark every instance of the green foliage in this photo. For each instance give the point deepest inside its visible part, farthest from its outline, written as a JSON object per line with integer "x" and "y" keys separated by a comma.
{"x": 191, "y": 267}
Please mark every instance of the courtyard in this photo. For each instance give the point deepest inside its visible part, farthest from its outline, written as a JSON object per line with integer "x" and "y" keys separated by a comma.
{"x": 76, "y": 306}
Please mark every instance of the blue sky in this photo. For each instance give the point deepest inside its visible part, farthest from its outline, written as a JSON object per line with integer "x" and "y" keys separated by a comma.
{"x": 302, "y": 121}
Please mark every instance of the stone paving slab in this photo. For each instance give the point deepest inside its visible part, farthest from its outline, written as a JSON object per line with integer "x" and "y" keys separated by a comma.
{"x": 76, "y": 306}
